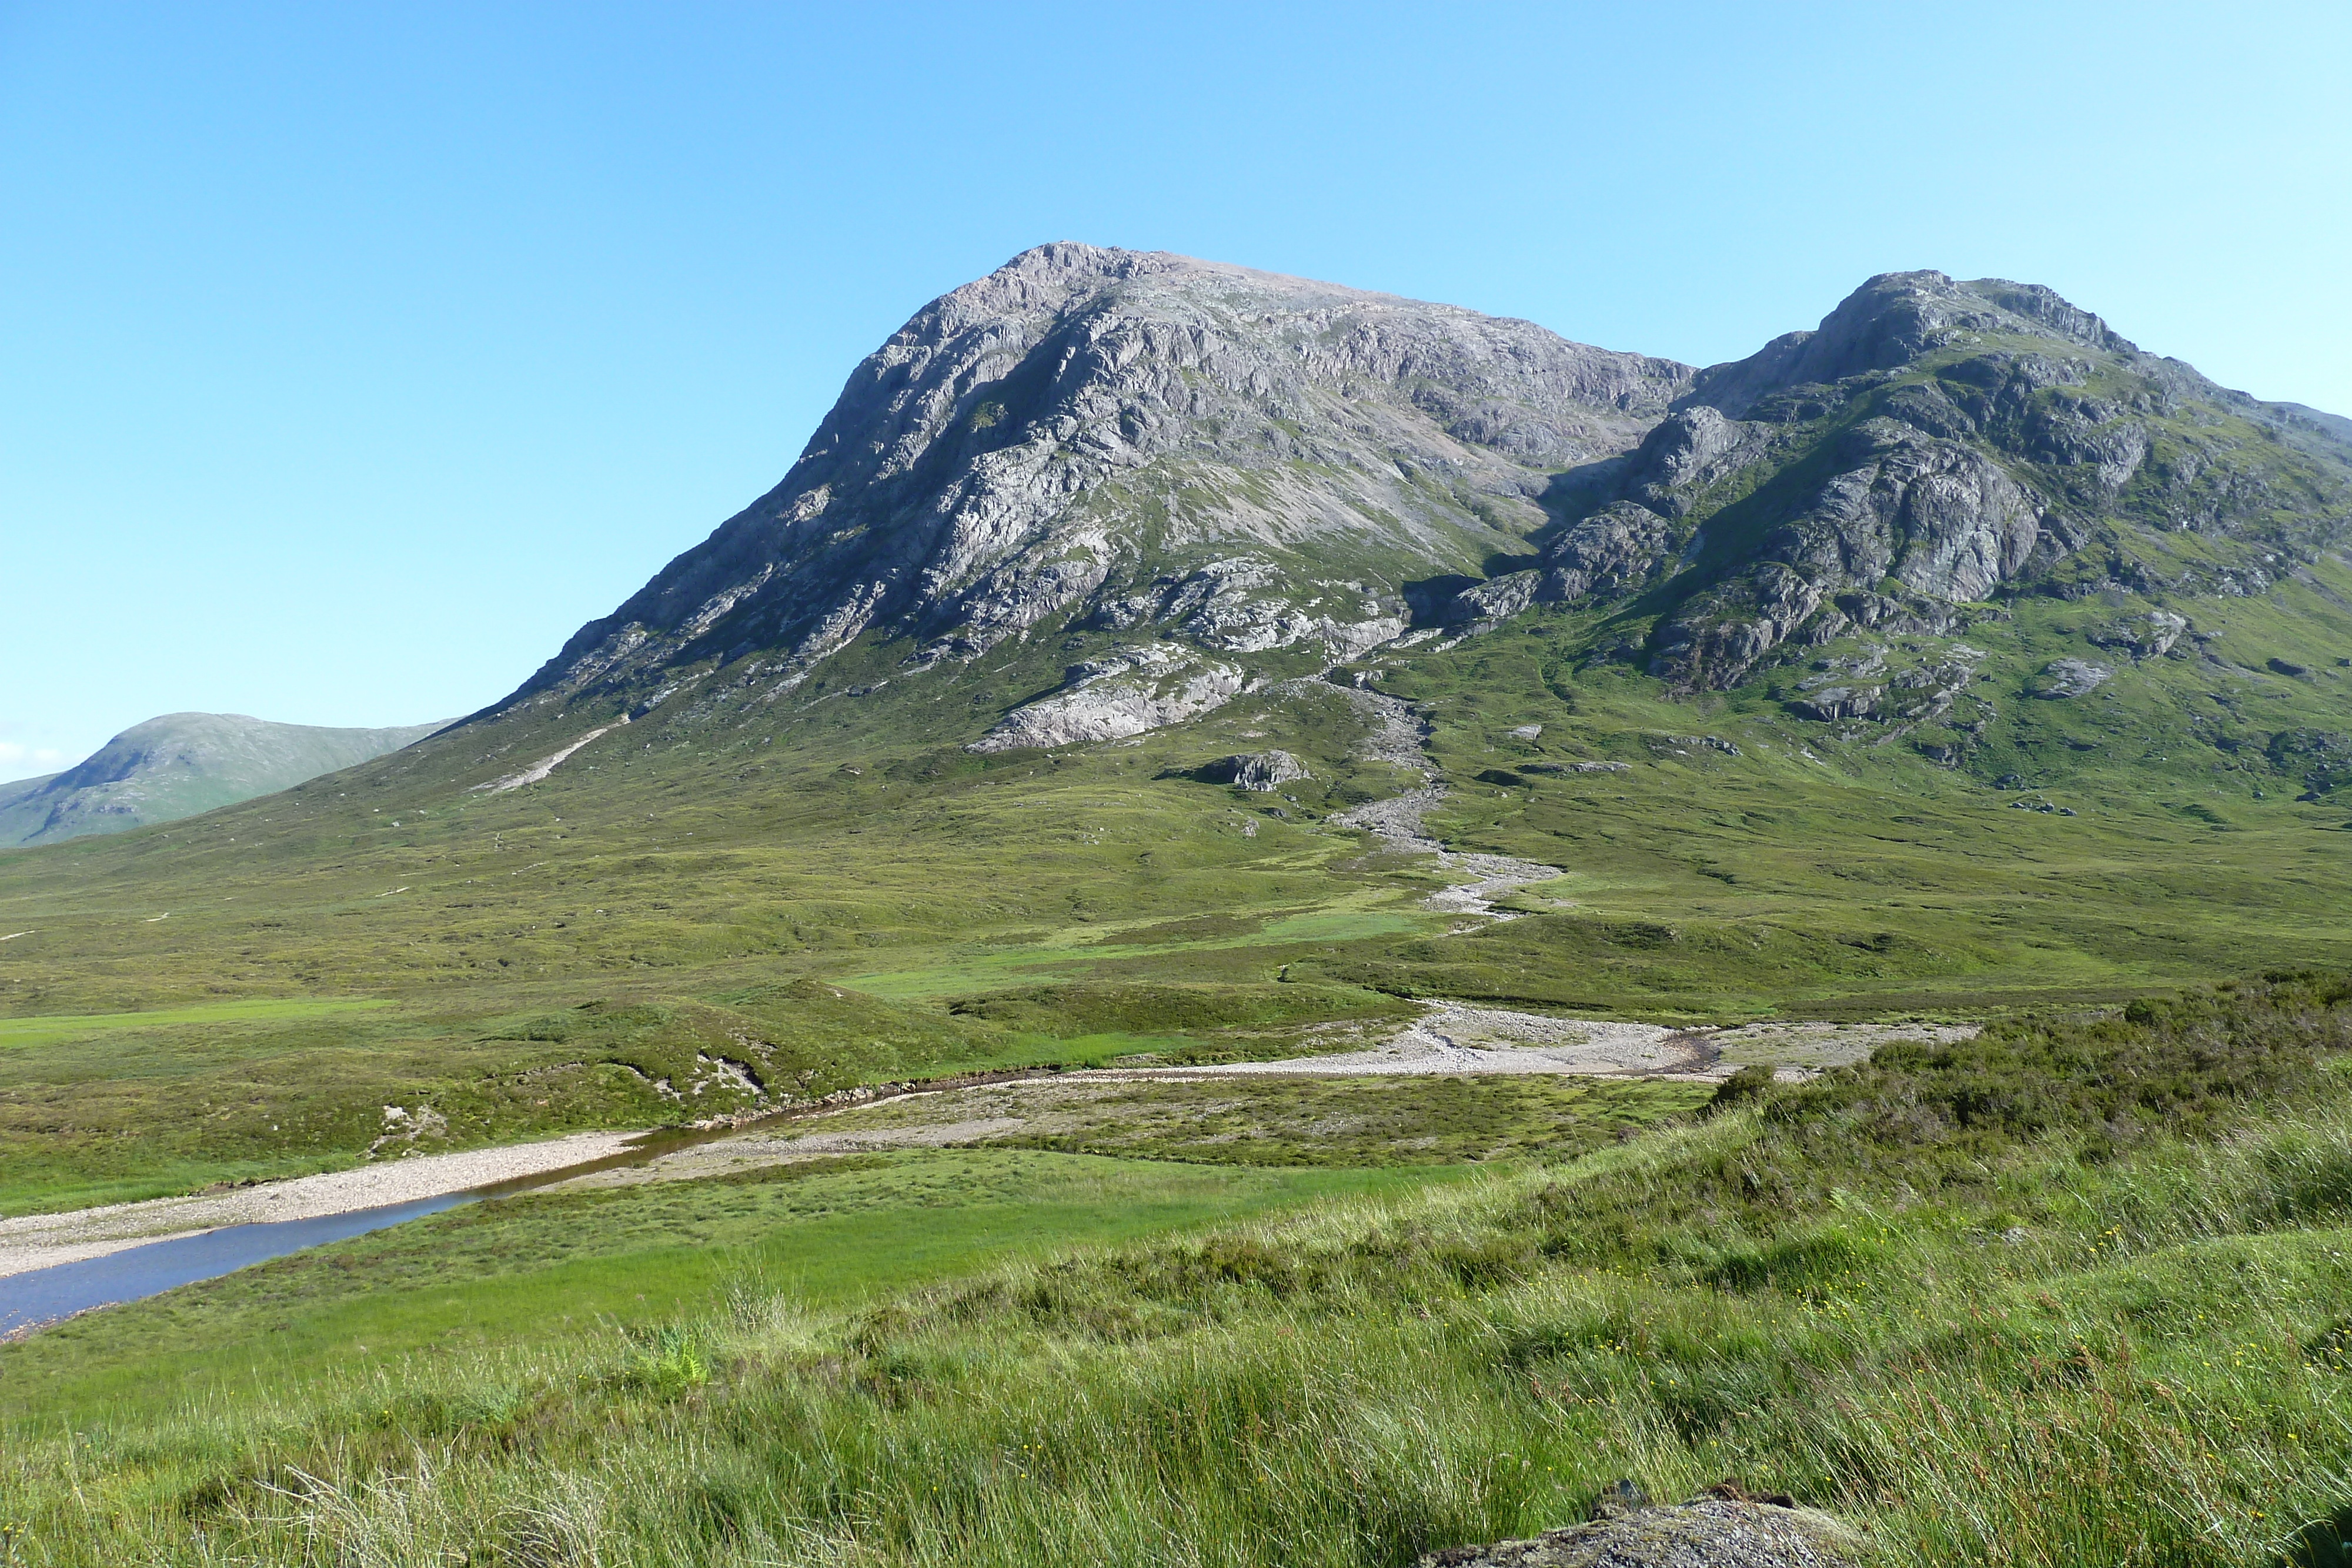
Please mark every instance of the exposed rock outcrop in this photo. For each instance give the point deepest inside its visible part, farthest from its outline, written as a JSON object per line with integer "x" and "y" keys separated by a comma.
{"x": 1134, "y": 690}
{"x": 1259, "y": 476}
{"x": 1123, "y": 440}
{"x": 1721, "y": 1528}
{"x": 1619, "y": 550}
{"x": 2063, "y": 678}
{"x": 1493, "y": 601}
{"x": 1261, "y": 772}
{"x": 2148, "y": 636}
{"x": 1933, "y": 443}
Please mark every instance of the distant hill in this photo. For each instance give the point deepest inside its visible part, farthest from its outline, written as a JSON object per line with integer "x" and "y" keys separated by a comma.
{"x": 179, "y": 765}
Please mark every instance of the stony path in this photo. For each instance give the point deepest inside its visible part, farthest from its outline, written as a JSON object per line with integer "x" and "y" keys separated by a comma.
{"x": 1399, "y": 737}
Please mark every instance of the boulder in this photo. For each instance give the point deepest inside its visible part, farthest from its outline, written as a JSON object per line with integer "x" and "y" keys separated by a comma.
{"x": 1491, "y": 603}
{"x": 2147, "y": 636}
{"x": 1723, "y": 1527}
{"x": 1262, "y": 772}
{"x": 2063, "y": 678}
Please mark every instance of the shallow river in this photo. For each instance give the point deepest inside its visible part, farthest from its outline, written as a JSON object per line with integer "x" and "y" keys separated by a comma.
{"x": 135, "y": 1271}
{"x": 44, "y": 1295}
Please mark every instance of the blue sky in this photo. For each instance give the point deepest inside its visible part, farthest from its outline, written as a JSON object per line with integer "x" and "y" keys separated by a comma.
{"x": 355, "y": 355}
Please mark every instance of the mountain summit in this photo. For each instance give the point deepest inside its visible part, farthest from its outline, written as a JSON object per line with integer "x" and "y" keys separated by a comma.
{"x": 1931, "y": 445}
{"x": 1205, "y": 477}
{"x": 1148, "y": 652}
{"x": 1139, "y": 443}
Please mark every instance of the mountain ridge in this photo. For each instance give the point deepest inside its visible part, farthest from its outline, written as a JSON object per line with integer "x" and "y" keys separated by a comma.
{"x": 2125, "y": 768}
{"x": 1208, "y": 478}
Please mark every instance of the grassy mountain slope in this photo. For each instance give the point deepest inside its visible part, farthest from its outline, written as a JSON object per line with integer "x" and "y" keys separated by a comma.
{"x": 1833, "y": 713}
{"x": 682, "y": 886}
{"x": 180, "y": 765}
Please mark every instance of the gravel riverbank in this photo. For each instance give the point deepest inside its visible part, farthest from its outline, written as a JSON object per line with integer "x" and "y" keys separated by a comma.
{"x": 41, "y": 1240}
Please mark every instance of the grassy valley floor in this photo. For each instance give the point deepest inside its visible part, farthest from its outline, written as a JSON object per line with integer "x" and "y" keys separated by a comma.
{"x": 242, "y": 995}
{"x": 2070, "y": 1291}
{"x": 2065, "y": 1294}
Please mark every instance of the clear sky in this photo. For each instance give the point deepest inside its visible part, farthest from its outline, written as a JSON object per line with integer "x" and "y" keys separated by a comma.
{"x": 351, "y": 356}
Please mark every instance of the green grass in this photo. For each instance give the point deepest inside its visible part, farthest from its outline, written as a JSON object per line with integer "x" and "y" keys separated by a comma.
{"x": 1427, "y": 1120}
{"x": 2073, "y": 1293}
{"x": 556, "y": 1269}
{"x": 49, "y": 1030}
{"x": 718, "y": 854}
{"x": 1940, "y": 1292}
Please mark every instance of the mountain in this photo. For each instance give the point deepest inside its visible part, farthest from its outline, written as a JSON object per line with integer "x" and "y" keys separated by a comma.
{"x": 1201, "y": 479}
{"x": 179, "y": 765}
{"x": 1935, "y": 445}
{"x": 1151, "y": 662}
{"x": 1229, "y": 474}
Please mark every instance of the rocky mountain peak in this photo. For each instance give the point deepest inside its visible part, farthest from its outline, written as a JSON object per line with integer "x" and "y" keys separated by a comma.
{"x": 1135, "y": 441}
{"x": 1199, "y": 478}
{"x": 1931, "y": 445}
{"x": 1890, "y": 321}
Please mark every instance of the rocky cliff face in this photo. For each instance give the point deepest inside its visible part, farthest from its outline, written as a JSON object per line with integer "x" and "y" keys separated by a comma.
{"x": 1212, "y": 462}
{"x": 1202, "y": 477}
{"x": 1933, "y": 444}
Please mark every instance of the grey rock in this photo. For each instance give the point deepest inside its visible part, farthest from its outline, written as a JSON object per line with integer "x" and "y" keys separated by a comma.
{"x": 1955, "y": 464}
{"x": 1839, "y": 701}
{"x": 2148, "y": 636}
{"x": 1891, "y": 321}
{"x": 1249, "y": 469}
{"x": 1689, "y": 449}
{"x": 1617, "y": 1498}
{"x": 1722, "y": 1529}
{"x": 1717, "y": 636}
{"x": 1937, "y": 517}
{"x": 1126, "y": 439}
{"x": 2321, "y": 759}
{"x": 1866, "y": 688}
{"x": 1132, "y": 691}
{"x": 1260, "y": 771}
{"x": 1689, "y": 745}
{"x": 1925, "y": 406}
{"x": 1492, "y": 601}
{"x": 1619, "y": 550}
{"x": 1528, "y": 732}
{"x": 2063, "y": 678}
{"x": 2091, "y": 436}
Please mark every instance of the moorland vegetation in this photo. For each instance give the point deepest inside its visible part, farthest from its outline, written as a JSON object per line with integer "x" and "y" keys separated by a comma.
{"x": 2070, "y": 1293}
